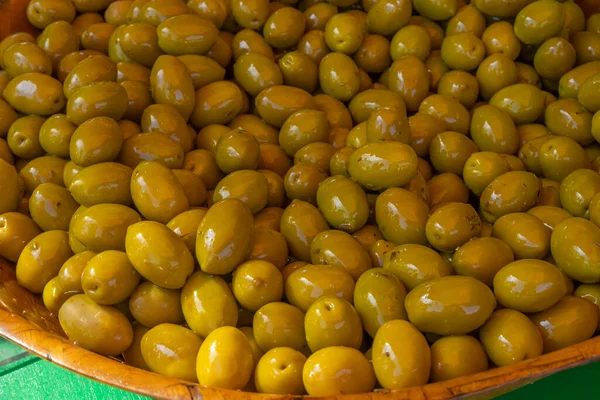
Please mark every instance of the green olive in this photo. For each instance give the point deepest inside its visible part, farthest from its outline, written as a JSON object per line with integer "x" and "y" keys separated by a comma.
{"x": 207, "y": 303}
{"x": 573, "y": 249}
{"x": 41, "y": 259}
{"x": 149, "y": 245}
{"x": 401, "y": 216}
{"x": 513, "y": 191}
{"x": 102, "y": 183}
{"x": 510, "y": 327}
{"x": 453, "y": 315}
{"x": 570, "y": 321}
{"x": 300, "y": 223}
{"x": 102, "y": 329}
{"x": 220, "y": 248}
{"x": 414, "y": 264}
{"x": 392, "y": 371}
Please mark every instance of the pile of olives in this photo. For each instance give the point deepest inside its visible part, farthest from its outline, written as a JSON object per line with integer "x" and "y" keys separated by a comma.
{"x": 321, "y": 197}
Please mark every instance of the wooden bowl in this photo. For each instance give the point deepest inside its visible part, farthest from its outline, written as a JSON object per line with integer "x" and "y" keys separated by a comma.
{"x": 26, "y": 322}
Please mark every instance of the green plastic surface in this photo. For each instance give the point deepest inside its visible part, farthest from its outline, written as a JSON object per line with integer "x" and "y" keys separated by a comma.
{"x": 25, "y": 376}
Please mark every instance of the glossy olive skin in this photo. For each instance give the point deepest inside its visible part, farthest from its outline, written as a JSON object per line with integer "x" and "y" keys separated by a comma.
{"x": 207, "y": 303}
{"x": 186, "y": 34}
{"x": 333, "y": 247}
{"x": 151, "y": 146}
{"x": 40, "y": 170}
{"x": 220, "y": 248}
{"x": 256, "y": 283}
{"x": 524, "y": 233}
{"x": 447, "y": 109}
{"x": 69, "y": 275}
{"x": 302, "y": 128}
{"x": 55, "y": 135}
{"x": 452, "y": 225}
{"x": 256, "y": 72}
{"x": 482, "y": 258}
{"x": 109, "y": 278}
{"x": 279, "y": 325}
{"x": 102, "y": 183}
{"x": 24, "y": 57}
{"x": 414, "y": 264}
{"x": 237, "y": 150}
{"x": 561, "y": 155}
{"x": 149, "y": 244}
{"x": 193, "y": 186}
{"x": 343, "y": 203}
{"x": 550, "y": 215}
{"x": 284, "y": 28}
{"x": 48, "y": 98}
{"x": 492, "y": 129}
{"x": 514, "y": 191}
{"x": 570, "y": 83}
{"x": 23, "y": 137}
{"x": 226, "y": 345}
{"x": 150, "y": 195}
{"x": 102, "y": 329}
{"x": 462, "y": 51}
{"x": 508, "y": 337}
{"x": 568, "y": 117}
{"x": 306, "y": 284}
{"x": 203, "y": 70}
{"x": 16, "y": 230}
{"x": 331, "y": 321}
{"x": 450, "y": 317}
{"x": 574, "y": 250}
{"x": 455, "y": 356}
{"x": 175, "y": 88}
{"x": 413, "y": 212}
{"x": 570, "y": 321}
{"x": 51, "y": 207}
{"x": 54, "y": 296}
{"x": 524, "y": 102}
{"x": 95, "y": 68}
{"x": 529, "y": 285}
{"x": 97, "y": 99}
{"x": 378, "y": 298}
{"x": 323, "y": 369}
{"x": 392, "y": 371}
{"x": 482, "y": 168}
{"x": 382, "y": 165}
{"x": 538, "y": 21}
{"x": 103, "y": 226}
{"x": 339, "y": 76}
{"x": 41, "y": 259}
{"x": 577, "y": 190}
{"x": 249, "y": 186}
{"x": 171, "y": 350}
{"x": 388, "y": 124}
{"x": 318, "y": 154}
{"x": 152, "y": 305}
{"x": 216, "y": 103}
{"x": 300, "y": 223}
{"x": 95, "y": 141}
{"x": 271, "y": 378}
{"x": 410, "y": 40}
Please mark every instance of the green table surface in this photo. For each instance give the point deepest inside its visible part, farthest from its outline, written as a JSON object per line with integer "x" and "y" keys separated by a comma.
{"x": 25, "y": 376}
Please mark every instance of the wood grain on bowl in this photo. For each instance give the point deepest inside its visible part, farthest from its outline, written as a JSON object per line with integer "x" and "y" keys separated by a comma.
{"x": 25, "y": 321}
